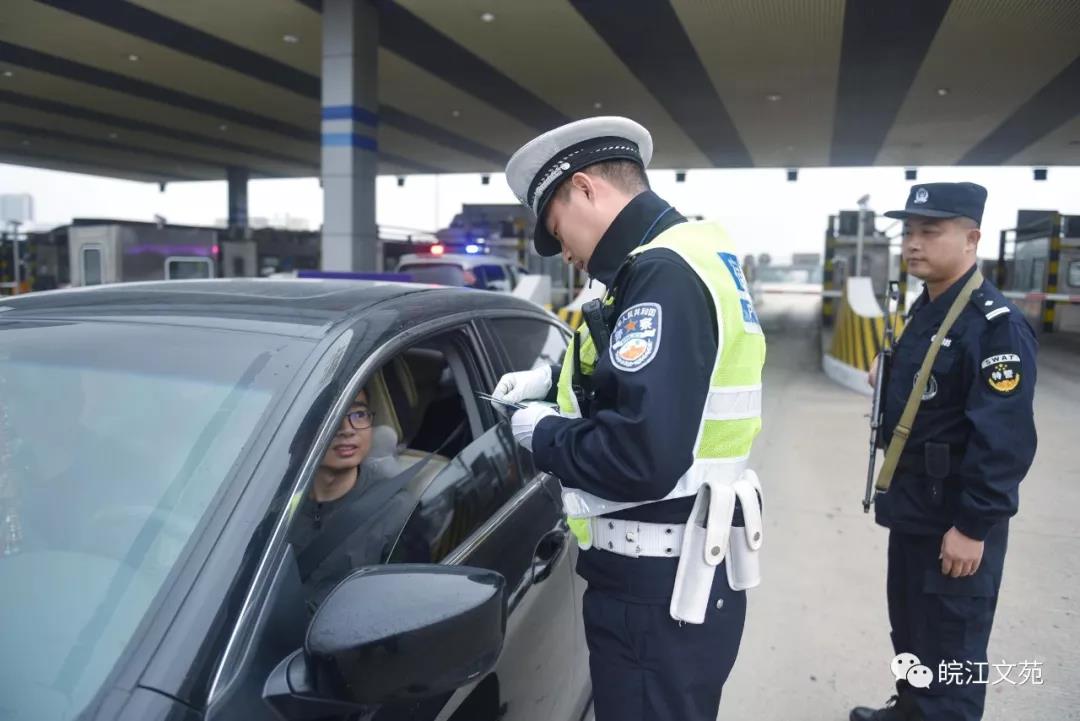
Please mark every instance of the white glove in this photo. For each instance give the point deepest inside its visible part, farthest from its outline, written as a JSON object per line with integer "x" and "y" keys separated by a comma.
{"x": 524, "y": 422}
{"x": 524, "y": 385}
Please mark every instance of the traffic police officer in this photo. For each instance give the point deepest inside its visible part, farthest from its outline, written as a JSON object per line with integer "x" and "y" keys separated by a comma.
{"x": 972, "y": 441}
{"x": 659, "y": 399}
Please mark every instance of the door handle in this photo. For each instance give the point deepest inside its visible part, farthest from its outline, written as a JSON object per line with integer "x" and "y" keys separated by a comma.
{"x": 549, "y": 551}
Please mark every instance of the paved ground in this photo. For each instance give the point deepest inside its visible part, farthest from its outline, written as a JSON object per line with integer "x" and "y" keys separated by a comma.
{"x": 816, "y": 640}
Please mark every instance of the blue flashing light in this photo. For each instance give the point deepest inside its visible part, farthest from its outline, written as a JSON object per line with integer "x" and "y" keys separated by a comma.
{"x": 471, "y": 248}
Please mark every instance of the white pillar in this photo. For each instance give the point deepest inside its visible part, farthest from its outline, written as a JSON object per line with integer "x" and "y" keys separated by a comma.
{"x": 350, "y": 109}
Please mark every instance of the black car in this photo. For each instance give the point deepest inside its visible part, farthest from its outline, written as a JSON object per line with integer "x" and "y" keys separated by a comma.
{"x": 157, "y": 442}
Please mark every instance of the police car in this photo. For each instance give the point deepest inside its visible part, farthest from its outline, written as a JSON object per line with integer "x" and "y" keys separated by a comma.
{"x": 158, "y": 443}
{"x": 469, "y": 269}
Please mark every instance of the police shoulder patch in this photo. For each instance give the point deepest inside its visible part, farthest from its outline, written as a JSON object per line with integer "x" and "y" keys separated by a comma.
{"x": 635, "y": 339}
{"x": 1002, "y": 373}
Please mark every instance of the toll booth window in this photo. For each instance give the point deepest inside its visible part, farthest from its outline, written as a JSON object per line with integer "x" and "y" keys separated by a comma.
{"x": 188, "y": 268}
{"x": 1074, "y": 274}
{"x": 1038, "y": 275}
{"x": 91, "y": 260}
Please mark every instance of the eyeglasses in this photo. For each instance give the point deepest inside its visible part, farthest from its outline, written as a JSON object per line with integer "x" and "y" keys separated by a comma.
{"x": 359, "y": 420}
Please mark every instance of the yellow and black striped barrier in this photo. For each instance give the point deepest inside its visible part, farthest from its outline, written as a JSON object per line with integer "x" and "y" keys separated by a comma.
{"x": 1052, "y": 273}
{"x": 571, "y": 317}
{"x": 857, "y": 340}
{"x": 857, "y": 335}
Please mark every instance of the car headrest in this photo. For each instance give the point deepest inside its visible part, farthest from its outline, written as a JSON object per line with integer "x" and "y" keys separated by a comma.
{"x": 382, "y": 460}
{"x": 384, "y": 441}
{"x": 381, "y": 406}
{"x": 393, "y": 396}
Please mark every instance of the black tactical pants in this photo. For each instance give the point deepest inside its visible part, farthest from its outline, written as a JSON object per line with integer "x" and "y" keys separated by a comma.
{"x": 943, "y": 619}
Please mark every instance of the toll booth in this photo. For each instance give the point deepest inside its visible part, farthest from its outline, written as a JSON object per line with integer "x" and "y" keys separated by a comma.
{"x": 47, "y": 260}
{"x": 879, "y": 262}
{"x": 281, "y": 251}
{"x": 1038, "y": 268}
{"x": 111, "y": 251}
{"x": 239, "y": 254}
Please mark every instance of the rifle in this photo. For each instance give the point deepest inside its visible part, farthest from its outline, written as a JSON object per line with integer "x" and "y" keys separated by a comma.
{"x": 877, "y": 410}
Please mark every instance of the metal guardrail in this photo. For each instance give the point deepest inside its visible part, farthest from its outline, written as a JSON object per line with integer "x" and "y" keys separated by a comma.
{"x": 1036, "y": 295}
{"x": 801, "y": 291}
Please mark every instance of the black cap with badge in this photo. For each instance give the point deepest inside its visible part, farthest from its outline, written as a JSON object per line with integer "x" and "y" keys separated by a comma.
{"x": 944, "y": 200}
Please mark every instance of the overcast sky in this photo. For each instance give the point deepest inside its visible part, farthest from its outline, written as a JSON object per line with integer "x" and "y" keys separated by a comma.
{"x": 762, "y": 211}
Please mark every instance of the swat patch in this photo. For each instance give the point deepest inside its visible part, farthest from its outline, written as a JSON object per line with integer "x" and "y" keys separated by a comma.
{"x": 746, "y": 302}
{"x": 636, "y": 337}
{"x": 1002, "y": 373}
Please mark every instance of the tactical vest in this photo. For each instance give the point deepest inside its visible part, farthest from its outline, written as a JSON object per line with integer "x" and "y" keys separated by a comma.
{"x": 731, "y": 413}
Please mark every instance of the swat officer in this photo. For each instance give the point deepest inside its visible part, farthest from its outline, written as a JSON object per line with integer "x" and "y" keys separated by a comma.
{"x": 659, "y": 400}
{"x": 956, "y": 482}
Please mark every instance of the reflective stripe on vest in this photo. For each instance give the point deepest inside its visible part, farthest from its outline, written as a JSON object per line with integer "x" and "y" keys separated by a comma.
{"x": 731, "y": 412}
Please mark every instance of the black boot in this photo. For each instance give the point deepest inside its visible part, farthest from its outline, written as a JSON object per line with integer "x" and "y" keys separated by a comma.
{"x": 901, "y": 707}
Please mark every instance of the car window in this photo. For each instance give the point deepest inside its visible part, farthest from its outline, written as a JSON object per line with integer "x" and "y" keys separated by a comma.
{"x": 491, "y": 277}
{"x": 529, "y": 343}
{"x": 115, "y": 441}
{"x": 464, "y": 491}
{"x": 427, "y": 477}
{"x": 436, "y": 273}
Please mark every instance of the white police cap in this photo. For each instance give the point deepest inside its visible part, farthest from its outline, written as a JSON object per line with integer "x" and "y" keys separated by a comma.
{"x": 537, "y": 168}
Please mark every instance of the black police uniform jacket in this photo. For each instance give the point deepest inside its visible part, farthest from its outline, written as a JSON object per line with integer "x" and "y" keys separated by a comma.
{"x": 973, "y": 438}
{"x": 638, "y": 437}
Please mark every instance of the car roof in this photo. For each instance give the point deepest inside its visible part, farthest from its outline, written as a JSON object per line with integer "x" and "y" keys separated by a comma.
{"x": 298, "y": 307}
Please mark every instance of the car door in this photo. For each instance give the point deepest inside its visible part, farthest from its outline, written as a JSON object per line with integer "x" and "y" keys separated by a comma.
{"x": 481, "y": 508}
{"x": 524, "y": 342}
{"x": 486, "y": 509}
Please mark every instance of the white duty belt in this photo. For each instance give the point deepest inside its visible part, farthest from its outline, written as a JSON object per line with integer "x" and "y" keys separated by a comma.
{"x": 581, "y": 504}
{"x": 710, "y": 538}
{"x": 637, "y": 539}
{"x": 701, "y": 544}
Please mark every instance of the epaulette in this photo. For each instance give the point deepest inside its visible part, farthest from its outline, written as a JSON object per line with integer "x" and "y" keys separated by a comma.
{"x": 990, "y": 302}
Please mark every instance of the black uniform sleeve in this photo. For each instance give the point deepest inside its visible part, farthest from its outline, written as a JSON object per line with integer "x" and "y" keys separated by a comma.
{"x": 1002, "y": 442}
{"x": 637, "y": 449}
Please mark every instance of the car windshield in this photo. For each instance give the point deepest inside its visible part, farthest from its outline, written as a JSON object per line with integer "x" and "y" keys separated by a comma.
{"x": 437, "y": 273}
{"x": 115, "y": 440}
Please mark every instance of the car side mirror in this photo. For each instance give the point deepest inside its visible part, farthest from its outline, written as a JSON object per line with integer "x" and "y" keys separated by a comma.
{"x": 393, "y": 633}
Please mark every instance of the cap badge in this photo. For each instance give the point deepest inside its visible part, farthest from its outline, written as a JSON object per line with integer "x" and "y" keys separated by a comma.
{"x": 921, "y": 195}
{"x": 550, "y": 178}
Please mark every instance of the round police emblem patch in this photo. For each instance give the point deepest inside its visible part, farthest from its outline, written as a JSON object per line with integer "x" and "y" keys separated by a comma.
{"x": 636, "y": 337}
{"x": 931, "y": 388}
{"x": 1002, "y": 373}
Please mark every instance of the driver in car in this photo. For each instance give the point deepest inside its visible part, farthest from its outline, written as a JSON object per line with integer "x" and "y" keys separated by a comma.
{"x": 354, "y": 510}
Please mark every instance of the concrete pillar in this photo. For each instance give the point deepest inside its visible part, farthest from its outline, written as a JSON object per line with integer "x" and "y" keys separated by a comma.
{"x": 238, "y": 199}
{"x": 350, "y": 107}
